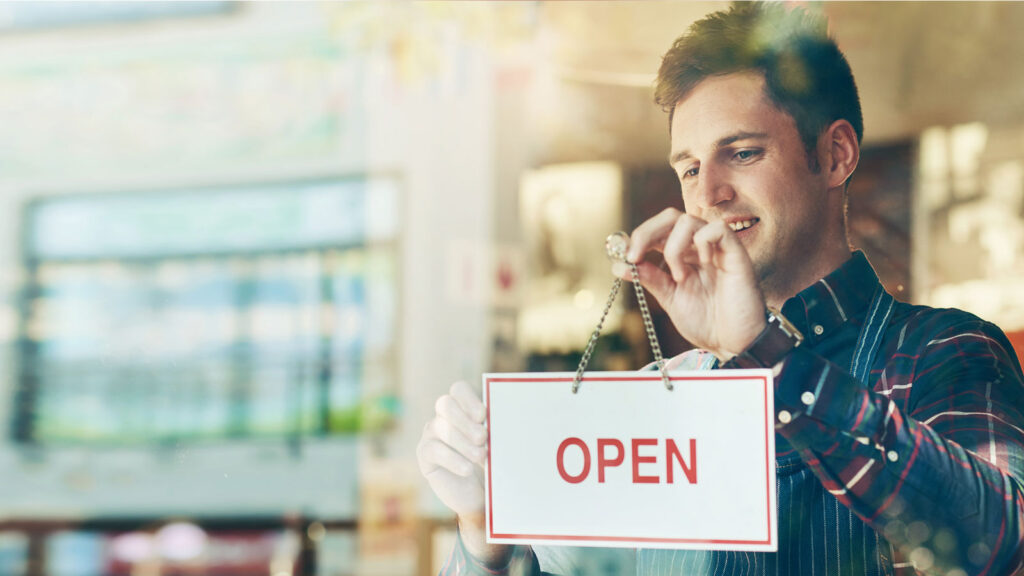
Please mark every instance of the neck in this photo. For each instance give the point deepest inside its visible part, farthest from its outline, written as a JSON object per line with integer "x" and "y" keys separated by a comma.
{"x": 784, "y": 284}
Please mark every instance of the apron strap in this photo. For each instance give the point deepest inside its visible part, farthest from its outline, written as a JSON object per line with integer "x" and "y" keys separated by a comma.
{"x": 879, "y": 313}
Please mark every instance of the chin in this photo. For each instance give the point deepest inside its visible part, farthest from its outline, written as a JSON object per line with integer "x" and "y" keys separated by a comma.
{"x": 764, "y": 268}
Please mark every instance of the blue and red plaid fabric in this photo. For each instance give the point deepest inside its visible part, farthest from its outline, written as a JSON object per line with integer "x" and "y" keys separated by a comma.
{"x": 919, "y": 472}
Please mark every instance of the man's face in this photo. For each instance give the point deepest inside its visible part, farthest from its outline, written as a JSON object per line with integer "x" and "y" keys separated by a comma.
{"x": 740, "y": 159}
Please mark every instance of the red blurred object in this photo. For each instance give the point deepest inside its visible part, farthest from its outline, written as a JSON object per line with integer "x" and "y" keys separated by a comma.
{"x": 1017, "y": 339}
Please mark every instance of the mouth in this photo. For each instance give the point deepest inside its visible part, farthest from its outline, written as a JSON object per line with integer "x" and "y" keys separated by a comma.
{"x": 741, "y": 225}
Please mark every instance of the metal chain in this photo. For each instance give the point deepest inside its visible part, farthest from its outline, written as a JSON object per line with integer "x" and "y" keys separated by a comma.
{"x": 616, "y": 251}
{"x": 594, "y": 336}
{"x": 652, "y": 337}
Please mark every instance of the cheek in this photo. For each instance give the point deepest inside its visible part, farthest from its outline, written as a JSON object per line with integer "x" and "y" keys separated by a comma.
{"x": 691, "y": 207}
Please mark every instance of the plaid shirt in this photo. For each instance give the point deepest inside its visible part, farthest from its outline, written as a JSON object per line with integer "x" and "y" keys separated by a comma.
{"x": 921, "y": 472}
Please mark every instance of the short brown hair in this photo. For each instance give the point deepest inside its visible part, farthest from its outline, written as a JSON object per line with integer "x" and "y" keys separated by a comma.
{"x": 806, "y": 75}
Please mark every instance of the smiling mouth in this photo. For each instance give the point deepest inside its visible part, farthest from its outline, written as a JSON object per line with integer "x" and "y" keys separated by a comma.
{"x": 743, "y": 224}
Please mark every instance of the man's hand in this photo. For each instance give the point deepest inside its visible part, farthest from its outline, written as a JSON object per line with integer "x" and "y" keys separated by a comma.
{"x": 709, "y": 290}
{"x": 451, "y": 454}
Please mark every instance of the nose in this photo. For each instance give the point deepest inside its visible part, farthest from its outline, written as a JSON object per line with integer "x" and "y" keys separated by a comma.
{"x": 711, "y": 189}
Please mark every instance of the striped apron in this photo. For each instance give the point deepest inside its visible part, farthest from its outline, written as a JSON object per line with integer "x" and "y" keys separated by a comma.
{"x": 817, "y": 534}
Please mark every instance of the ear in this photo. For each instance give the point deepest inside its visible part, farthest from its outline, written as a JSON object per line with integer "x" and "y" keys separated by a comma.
{"x": 842, "y": 152}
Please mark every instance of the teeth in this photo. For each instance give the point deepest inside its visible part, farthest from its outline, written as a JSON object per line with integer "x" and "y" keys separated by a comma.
{"x": 743, "y": 225}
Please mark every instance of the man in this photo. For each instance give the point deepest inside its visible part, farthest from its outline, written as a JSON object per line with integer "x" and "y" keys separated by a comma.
{"x": 900, "y": 437}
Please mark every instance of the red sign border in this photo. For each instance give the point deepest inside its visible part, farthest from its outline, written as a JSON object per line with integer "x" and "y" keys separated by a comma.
{"x": 769, "y": 429}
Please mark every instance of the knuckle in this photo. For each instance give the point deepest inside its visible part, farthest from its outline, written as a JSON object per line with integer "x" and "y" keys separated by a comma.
{"x": 436, "y": 450}
{"x": 424, "y": 455}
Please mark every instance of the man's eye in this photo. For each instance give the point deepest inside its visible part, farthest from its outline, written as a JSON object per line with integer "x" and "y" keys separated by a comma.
{"x": 691, "y": 172}
{"x": 746, "y": 154}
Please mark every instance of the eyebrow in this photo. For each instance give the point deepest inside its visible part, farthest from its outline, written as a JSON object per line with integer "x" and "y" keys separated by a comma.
{"x": 722, "y": 143}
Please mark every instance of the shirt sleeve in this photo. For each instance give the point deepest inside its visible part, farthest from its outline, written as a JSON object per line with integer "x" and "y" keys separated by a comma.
{"x": 933, "y": 459}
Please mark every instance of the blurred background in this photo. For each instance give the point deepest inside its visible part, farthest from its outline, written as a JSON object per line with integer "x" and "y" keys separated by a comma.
{"x": 245, "y": 246}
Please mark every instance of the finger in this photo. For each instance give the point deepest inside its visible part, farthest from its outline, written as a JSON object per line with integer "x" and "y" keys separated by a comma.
{"x": 623, "y": 271}
{"x": 449, "y": 409}
{"x": 717, "y": 245}
{"x": 434, "y": 455}
{"x": 657, "y": 281}
{"x": 679, "y": 248}
{"x": 451, "y": 436}
{"x": 651, "y": 234}
{"x": 650, "y": 275}
{"x": 422, "y": 458}
{"x": 469, "y": 399}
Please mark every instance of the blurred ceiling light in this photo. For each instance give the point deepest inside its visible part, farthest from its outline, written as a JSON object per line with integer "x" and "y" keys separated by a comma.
{"x": 934, "y": 167}
{"x": 1002, "y": 243}
{"x": 316, "y": 531}
{"x": 1006, "y": 185}
{"x": 584, "y": 299}
{"x": 965, "y": 220}
{"x": 967, "y": 143}
{"x": 181, "y": 541}
{"x": 933, "y": 153}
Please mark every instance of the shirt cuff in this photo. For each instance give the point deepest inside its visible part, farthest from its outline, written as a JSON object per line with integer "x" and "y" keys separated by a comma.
{"x": 818, "y": 403}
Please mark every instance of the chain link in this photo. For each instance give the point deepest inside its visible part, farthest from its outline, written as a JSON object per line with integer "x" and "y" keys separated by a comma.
{"x": 652, "y": 337}
{"x": 594, "y": 336}
{"x": 618, "y": 253}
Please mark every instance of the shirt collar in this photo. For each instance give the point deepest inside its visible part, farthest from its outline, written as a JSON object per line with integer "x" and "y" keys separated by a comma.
{"x": 824, "y": 306}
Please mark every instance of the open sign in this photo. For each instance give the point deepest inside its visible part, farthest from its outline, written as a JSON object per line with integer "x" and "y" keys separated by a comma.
{"x": 628, "y": 463}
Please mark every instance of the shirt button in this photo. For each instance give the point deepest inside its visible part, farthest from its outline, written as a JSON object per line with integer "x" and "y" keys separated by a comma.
{"x": 892, "y": 456}
{"x": 819, "y": 329}
{"x": 807, "y": 398}
{"x": 785, "y": 417}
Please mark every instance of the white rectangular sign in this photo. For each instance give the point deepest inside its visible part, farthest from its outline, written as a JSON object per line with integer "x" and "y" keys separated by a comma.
{"x": 627, "y": 463}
